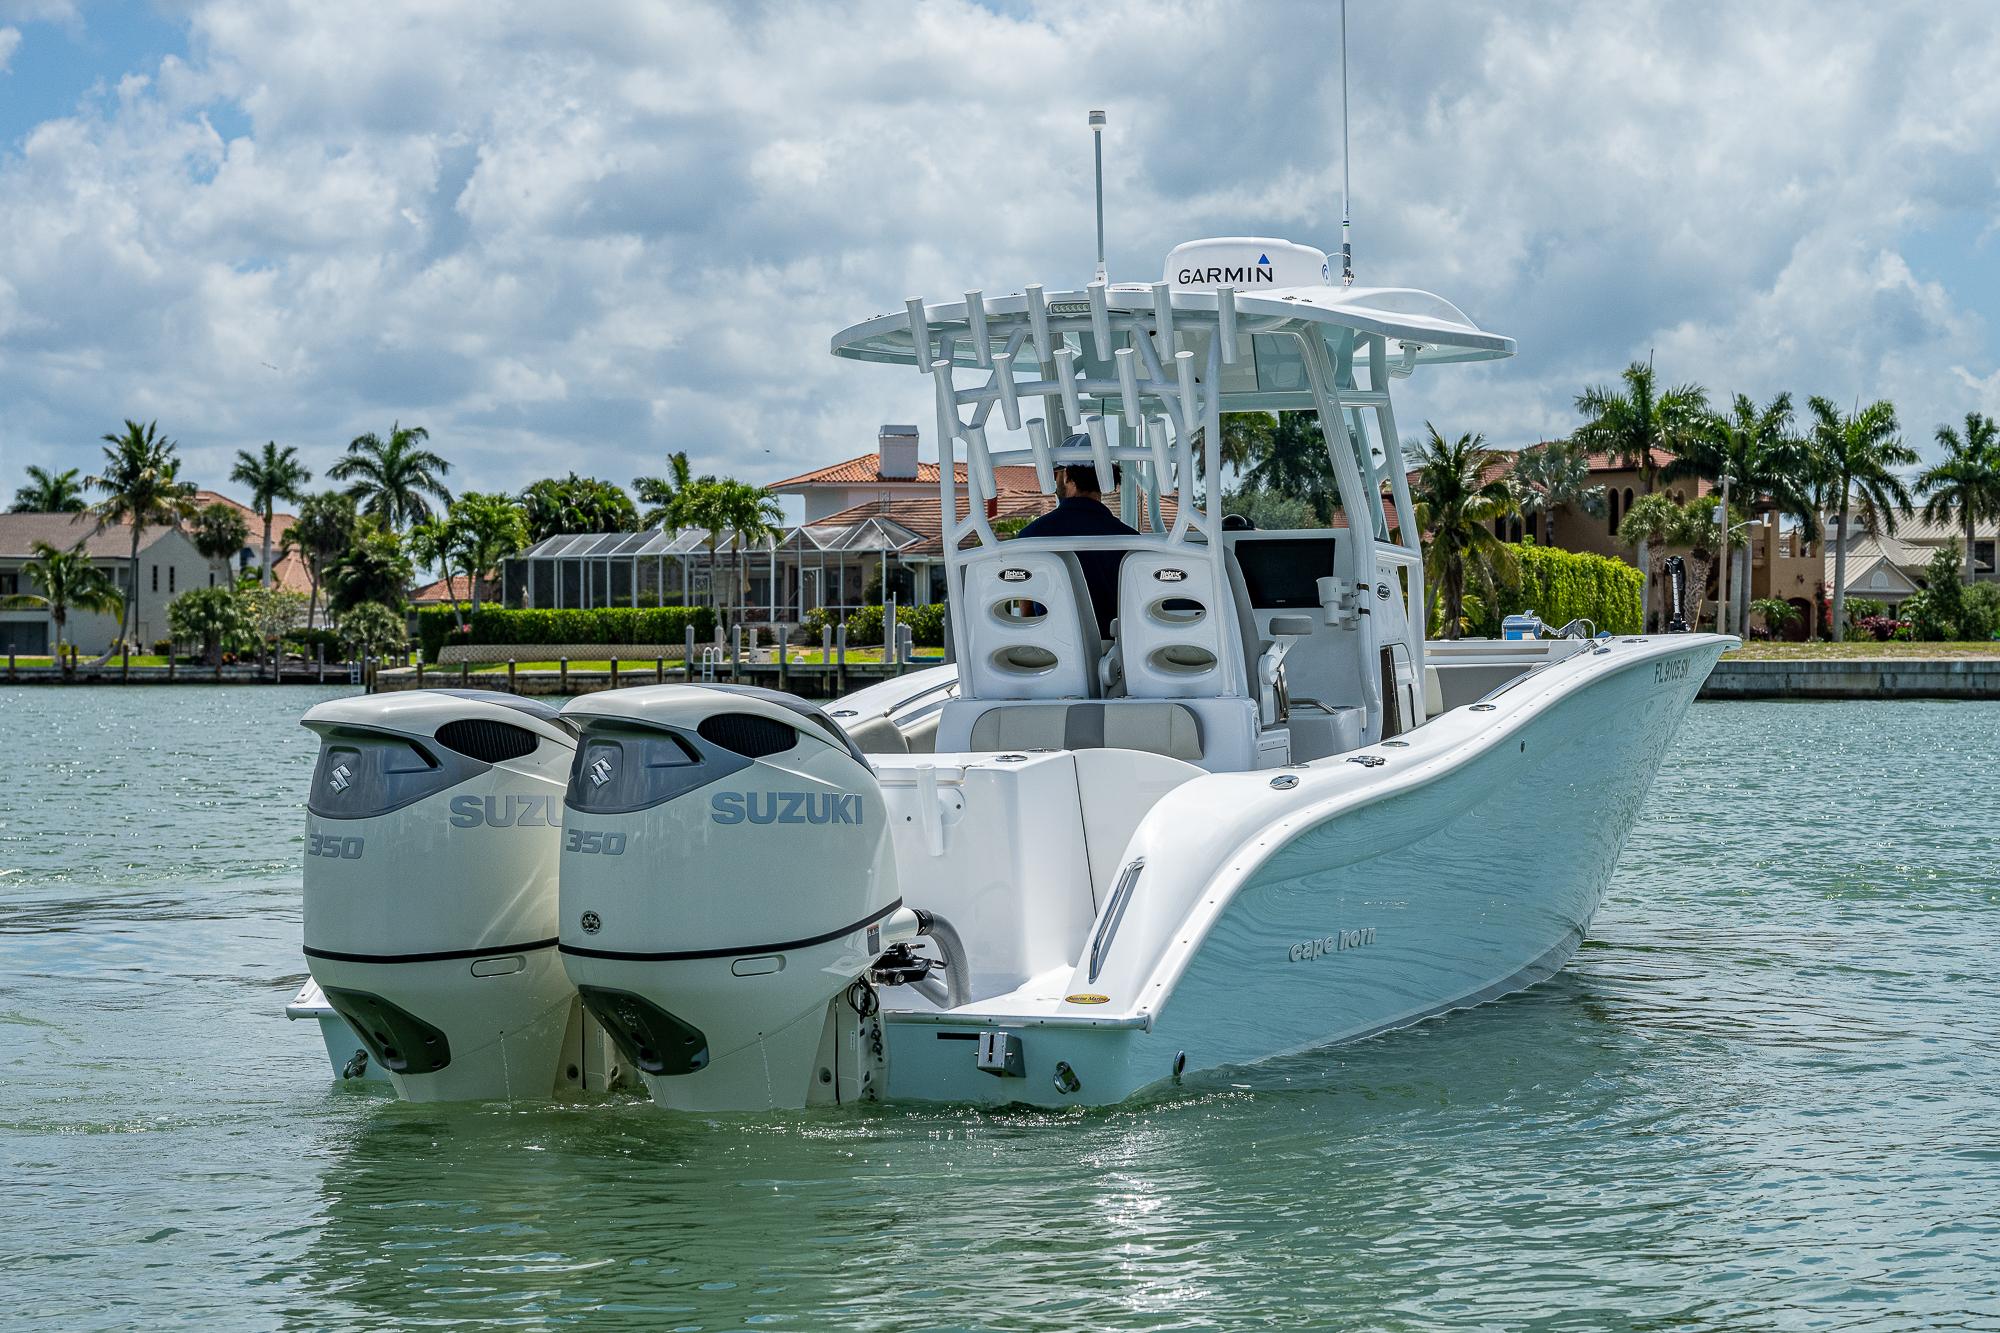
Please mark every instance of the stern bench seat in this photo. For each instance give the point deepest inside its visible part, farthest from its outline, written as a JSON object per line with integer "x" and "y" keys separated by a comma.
{"x": 1190, "y": 730}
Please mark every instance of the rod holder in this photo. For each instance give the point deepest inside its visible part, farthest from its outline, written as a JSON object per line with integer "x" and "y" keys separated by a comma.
{"x": 1100, "y": 449}
{"x": 1038, "y": 324}
{"x": 1225, "y": 322}
{"x": 979, "y": 463}
{"x": 1038, "y": 442}
{"x": 1003, "y": 378}
{"x": 947, "y": 397}
{"x": 1184, "y": 372}
{"x": 975, "y": 318}
{"x": 1066, "y": 380}
{"x": 1163, "y": 317}
{"x": 920, "y": 332}
{"x": 1100, "y": 320}
{"x": 1156, "y": 439}
{"x": 1128, "y": 386}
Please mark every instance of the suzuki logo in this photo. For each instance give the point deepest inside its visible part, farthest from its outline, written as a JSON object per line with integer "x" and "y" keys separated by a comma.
{"x": 600, "y": 772}
{"x": 341, "y": 778}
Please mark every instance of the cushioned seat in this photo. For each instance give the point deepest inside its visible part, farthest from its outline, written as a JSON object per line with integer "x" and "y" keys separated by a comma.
{"x": 1155, "y": 726}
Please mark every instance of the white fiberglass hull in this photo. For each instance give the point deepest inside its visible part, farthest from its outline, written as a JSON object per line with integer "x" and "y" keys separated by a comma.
{"x": 1467, "y": 865}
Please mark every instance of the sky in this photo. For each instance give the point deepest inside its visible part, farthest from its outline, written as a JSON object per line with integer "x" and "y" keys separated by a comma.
{"x": 582, "y": 236}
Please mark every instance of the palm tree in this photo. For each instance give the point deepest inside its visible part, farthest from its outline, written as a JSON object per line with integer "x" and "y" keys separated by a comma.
{"x": 50, "y": 493}
{"x": 1555, "y": 476}
{"x": 1656, "y": 522}
{"x": 393, "y": 480}
{"x": 1753, "y": 449}
{"x": 662, "y": 496}
{"x": 485, "y": 530}
{"x": 1246, "y": 437}
{"x": 219, "y": 532}
{"x": 1295, "y": 462}
{"x": 1858, "y": 454}
{"x": 67, "y": 579}
{"x": 705, "y": 505}
{"x": 429, "y": 543}
{"x": 1632, "y": 425}
{"x": 1456, "y": 506}
{"x": 142, "y": 487}
{"x": 751, "y": 514}
{"x": 323, "y": 532}
{"x": 576, "y": 504}
{"x": 373, "y": 568}
{"x": 1966, "y": 485}
{"x": 274, "y": 474}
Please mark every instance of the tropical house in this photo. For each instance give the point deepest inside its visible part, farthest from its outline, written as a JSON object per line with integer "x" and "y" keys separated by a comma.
{"x": 1782, "y": 563}
{"x": 288, "y": 570}
{"x": 168, "y": 565}
{"x": 870, "y": 523}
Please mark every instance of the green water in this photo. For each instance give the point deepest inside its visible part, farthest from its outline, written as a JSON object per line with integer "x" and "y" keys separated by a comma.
{"x": 1766, "y": 1094}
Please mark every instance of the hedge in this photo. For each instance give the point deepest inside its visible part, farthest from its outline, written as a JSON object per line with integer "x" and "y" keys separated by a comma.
{"x": 1560, "y": 586}
{"x": 606, "y": 625}
{"x": 864, "y": 624}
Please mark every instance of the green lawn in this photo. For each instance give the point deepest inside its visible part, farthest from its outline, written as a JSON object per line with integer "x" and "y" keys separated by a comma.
{"x": 138, "y": 660}
{"x": 1815, "y": 651}
{"x": 644, "y": 666}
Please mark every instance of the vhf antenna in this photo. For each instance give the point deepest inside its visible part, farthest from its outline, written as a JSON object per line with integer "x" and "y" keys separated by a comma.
{"x": 1097, "y": 135}
{"x": 1346, "y": 213}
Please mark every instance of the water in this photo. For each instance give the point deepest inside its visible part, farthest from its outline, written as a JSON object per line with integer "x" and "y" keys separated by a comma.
{"x": 1765, "y": 1095}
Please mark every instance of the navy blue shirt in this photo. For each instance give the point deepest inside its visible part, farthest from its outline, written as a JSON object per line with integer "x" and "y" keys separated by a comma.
{"x": 1080, "y": 516}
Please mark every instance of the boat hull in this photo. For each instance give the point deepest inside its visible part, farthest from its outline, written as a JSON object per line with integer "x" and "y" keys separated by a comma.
{"x": 1436, "y": 894}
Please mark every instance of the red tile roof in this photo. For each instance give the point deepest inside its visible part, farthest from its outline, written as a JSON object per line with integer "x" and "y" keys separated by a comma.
{"x": 866, "y": 470}
{"x": 20, "y": 532}
{"x": 288, "y": 572}
{"x": 922, "y": 514}
{"x": 444, "y": 590}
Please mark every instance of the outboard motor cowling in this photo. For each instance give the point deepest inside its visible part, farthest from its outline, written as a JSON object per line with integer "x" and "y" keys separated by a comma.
{"x": 726, "y": 873}
{"x": 433, "y": 830}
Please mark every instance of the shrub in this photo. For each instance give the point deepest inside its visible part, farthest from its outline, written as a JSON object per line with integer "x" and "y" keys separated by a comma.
{"x": 215, "y": 618}
{"x": 1861, "y": 608}
{"x": 306, "y": 642}
{"x": 1980, "y": 616}
{"x": 604, "y": 625}
{"x": 1561, "y": 586}
{"x": 864, "y": 625}
{"x": 813, "y": 625}
{"x": 371, "y": 629}
{"x": 1879, "y": 628}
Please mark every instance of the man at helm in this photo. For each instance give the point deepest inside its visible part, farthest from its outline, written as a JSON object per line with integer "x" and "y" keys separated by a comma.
{"x": 1081, "y": 513}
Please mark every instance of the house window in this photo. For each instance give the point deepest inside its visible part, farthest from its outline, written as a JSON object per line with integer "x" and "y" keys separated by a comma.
{"x": 1611, "y": 509}
{"x": 10, "y": 582}
{"x": 156, "y": 578}
{"x": 171, "y": 571}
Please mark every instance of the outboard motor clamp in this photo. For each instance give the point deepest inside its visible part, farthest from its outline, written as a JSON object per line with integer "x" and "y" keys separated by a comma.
{"x": 727, "y": 875}
{"x": 433, "y": 830}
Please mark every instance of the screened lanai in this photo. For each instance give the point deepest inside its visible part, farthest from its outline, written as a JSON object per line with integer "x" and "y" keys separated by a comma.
{"x": 778, "y": 580}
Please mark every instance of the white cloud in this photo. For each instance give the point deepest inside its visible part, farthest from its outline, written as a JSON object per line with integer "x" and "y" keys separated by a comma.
{"x": 561, "y": 240}
{"x": 10, "y": 42}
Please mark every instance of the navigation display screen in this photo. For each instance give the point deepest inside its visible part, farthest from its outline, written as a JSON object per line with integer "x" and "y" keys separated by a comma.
{"x": 1283, "y": 573}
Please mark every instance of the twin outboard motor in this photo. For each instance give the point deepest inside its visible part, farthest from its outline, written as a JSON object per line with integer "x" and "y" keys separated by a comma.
{"x": 433, "y": 833}
{"x": 728, "y": 881}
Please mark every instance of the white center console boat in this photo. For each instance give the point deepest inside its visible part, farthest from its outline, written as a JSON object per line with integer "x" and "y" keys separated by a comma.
{"x": 1263, "y": 815}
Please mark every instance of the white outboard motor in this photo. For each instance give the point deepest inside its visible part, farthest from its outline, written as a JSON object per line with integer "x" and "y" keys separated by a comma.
{"x": 433, "y": 831}
{"x": 728, "y": 879}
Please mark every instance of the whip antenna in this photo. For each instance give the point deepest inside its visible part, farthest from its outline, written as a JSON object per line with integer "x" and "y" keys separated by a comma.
{"x": 1097, "y": 135}
{"x": 1346, "y": 214}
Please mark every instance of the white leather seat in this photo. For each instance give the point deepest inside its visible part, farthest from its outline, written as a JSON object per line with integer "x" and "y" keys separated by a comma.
{"x": 1178, "y": 634}
{"x": 1117, "y": 724}
{"x": 1031, "y": 629}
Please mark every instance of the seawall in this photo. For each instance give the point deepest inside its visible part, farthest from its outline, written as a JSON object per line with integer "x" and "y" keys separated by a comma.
{"x": 1856, "y": 678}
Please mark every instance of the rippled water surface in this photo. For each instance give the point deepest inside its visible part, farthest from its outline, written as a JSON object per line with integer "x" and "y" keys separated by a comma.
{"x": 1766, "y": 1094}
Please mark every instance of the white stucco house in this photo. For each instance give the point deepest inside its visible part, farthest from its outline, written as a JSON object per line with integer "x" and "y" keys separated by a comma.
{"x": 168, "y": 566}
